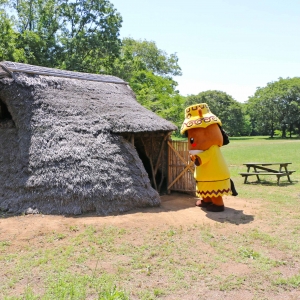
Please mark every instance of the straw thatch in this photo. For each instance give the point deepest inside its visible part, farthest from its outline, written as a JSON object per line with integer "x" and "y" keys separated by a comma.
{"x": 63, "y": 146}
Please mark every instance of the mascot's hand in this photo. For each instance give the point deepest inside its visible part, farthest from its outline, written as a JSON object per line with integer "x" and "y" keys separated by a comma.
{"x": 196, "y": 159}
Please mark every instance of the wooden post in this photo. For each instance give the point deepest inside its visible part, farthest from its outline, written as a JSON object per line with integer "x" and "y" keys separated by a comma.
{"x": 151, "y": 161}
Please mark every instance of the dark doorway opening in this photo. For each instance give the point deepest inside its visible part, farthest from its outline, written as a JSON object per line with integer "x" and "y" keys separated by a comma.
{"x": 149, "y": 153}
{"x": 6, "y": 120}
{"x": 145, "y": 160}
{"x": 148, "y": 147}
{"x": 4, "y": 113}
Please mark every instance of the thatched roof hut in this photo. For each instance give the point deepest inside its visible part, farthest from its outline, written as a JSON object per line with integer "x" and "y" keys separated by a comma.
{"x": 72, "y": 143}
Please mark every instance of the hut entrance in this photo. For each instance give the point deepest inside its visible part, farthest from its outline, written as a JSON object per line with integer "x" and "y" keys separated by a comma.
{"x": 180, "y": 168}
{"x": 6, "y": 120}
{"x": 4, "y": 113}
{"x": 152, "y": 149}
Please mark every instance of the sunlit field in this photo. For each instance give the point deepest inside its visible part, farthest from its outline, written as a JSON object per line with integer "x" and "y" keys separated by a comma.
{"x": 255, "y": 258}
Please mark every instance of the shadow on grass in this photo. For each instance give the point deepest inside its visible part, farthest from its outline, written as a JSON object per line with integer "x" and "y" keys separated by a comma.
{"x": 272, "y": 183}
{"x": 230, "y": 215}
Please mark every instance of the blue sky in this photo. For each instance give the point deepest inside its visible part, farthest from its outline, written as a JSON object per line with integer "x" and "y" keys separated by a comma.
{"x": 233, "y": 46}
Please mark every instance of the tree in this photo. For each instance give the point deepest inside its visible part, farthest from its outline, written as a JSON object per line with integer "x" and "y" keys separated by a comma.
{"x": 36, "y": 25}
{"x": 276, "y": 106}
{"x": 225, "y": 107}
{"x": 7, "y": 37}
{"x": 158, "y": 94}
{"x": 262, "y": 113}
{"x": 137, "y": 55}
{"x": 75, "y": 35}
{"x": 90, "y": 35}
{"x": 149, "y": 71}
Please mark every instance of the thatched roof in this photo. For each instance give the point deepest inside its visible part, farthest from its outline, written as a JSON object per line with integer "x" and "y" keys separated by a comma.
{"x": 113, "y": 104}
{"x": 11, "y": 67}
{"x": 65, "y": 154}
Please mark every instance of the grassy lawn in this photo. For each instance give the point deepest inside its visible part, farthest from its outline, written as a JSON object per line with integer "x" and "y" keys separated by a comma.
{"x": 260, "y": 260}
{"x": 262, "y": 149}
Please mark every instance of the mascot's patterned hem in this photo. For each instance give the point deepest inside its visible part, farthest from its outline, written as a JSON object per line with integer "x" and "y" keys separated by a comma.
{"x": 213, "y": 193}
{"x": 213, "y": 188}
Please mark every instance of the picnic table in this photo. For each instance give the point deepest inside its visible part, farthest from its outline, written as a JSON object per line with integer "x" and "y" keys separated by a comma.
{"x": 276, "y": 169}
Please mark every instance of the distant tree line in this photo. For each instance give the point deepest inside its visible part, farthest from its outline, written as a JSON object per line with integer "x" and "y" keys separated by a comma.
{"x": 276, "y": 108}
{"x": 83, "y": 35}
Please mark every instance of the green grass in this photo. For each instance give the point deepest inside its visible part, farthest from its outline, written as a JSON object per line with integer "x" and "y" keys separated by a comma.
{"x": 109, "y": 262}
{"x": 261, "y": 149}
{"x": 158, "y": 267}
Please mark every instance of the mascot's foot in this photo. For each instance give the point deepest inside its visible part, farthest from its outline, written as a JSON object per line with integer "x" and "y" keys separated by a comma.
{"x": 201, "y": 203}
{"x": 215, "y": 208}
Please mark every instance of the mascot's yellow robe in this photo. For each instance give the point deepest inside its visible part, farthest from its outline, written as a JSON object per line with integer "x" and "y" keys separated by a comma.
{"x": 212, "y": 176}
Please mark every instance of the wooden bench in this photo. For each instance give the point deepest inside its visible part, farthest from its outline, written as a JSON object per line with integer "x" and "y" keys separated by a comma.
{"x": 261, "y": 169}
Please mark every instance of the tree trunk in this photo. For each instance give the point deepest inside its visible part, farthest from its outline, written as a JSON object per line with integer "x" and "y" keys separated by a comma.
{"x": 272, "y": 130}
{"x": 283, "y": 131}
{"x": 291, "y": 129}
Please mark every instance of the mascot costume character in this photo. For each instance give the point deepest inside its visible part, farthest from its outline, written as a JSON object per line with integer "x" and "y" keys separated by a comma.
{"x": 205, "y": 137}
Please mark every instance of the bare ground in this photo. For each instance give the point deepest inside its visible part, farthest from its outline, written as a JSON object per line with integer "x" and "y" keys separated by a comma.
{"x": 176, "y": 210}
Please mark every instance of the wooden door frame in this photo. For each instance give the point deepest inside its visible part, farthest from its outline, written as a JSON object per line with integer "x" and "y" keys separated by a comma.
{"x": 187, "y": 166}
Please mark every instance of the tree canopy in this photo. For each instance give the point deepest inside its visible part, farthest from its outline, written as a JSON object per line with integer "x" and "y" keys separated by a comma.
{"x": 139, "y": 55}
{"x": 159, "y": 95}
{"x": 276, "y": 107}
{"x": 149, "y": 71}
{"x": 225, "y": 107}
{"x": 77, "y": 35}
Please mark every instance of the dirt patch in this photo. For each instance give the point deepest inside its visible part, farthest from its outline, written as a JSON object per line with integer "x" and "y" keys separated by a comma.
{"x": 175, "y": 210}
